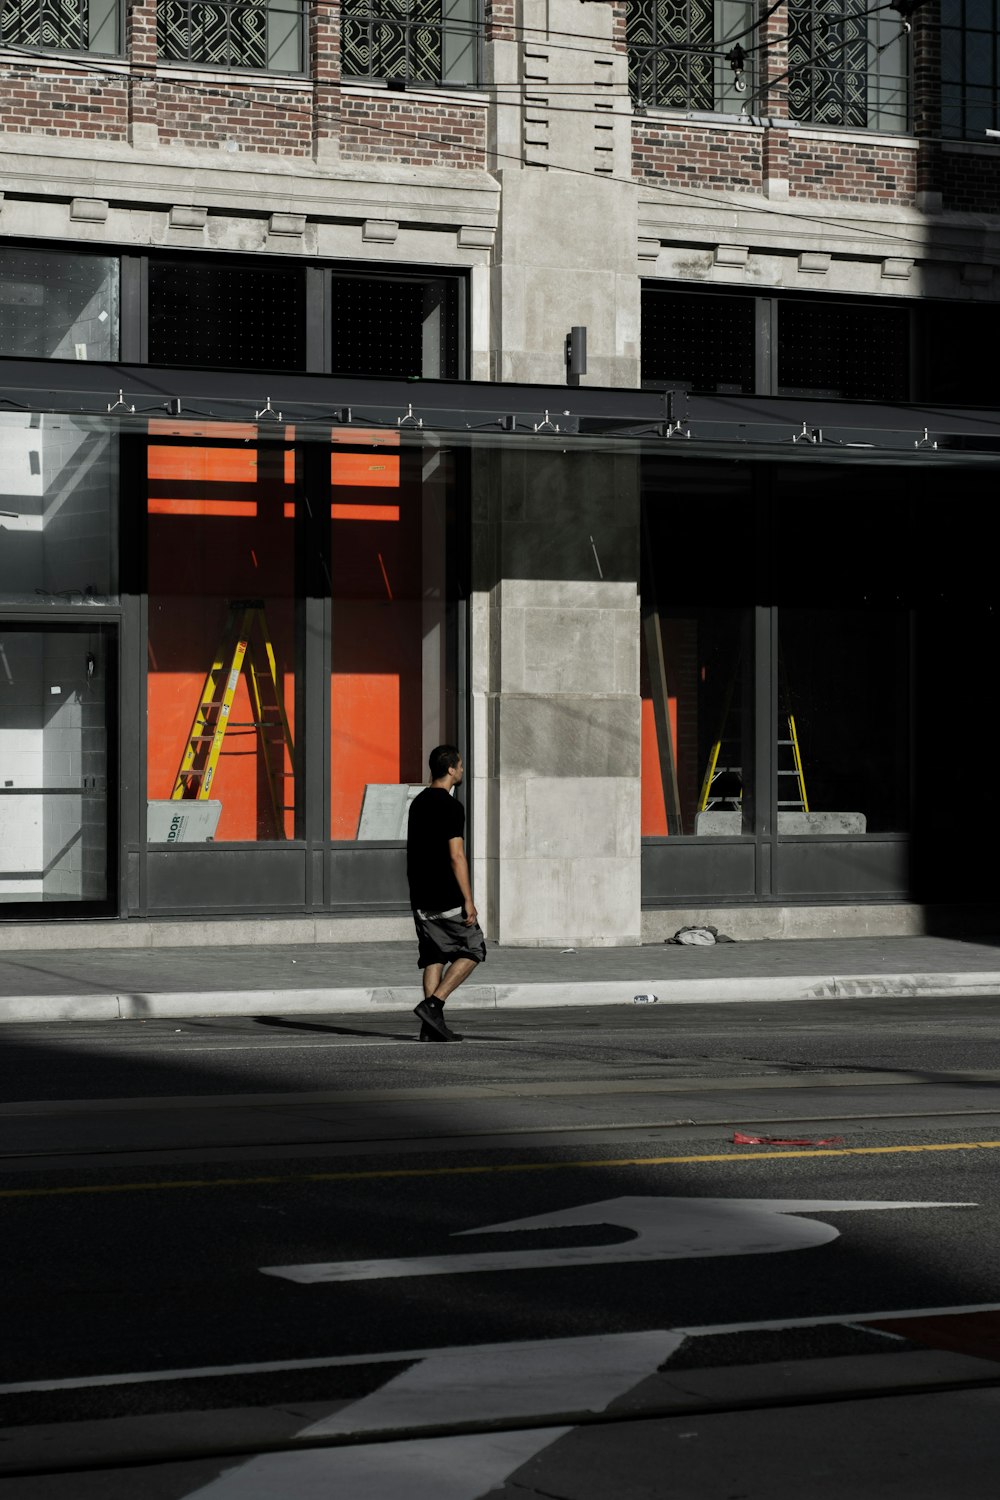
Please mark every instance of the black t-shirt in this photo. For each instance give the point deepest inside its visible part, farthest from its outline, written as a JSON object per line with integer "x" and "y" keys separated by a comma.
{"x": 435, "y": 817}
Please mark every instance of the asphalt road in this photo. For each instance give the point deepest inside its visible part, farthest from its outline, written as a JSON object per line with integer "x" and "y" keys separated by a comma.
{"x": 233, "y": 1249}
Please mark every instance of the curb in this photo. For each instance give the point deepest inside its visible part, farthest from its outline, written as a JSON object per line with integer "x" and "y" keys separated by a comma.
{"x": 153, "y": 1005}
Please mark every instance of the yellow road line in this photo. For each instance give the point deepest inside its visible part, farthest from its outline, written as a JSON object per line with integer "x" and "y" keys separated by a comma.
{"x": 483, "y": 1170}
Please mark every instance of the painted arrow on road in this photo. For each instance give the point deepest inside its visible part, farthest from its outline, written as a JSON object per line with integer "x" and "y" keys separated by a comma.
{"x": 662, "y": 1228}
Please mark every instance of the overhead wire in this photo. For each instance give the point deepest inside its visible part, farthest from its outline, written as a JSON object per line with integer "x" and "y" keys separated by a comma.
{"x": 714, "y": 198}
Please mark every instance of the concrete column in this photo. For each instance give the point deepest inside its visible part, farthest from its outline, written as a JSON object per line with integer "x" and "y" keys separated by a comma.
{"x": 560, "y": 145}
{"x": 556, "y": 710}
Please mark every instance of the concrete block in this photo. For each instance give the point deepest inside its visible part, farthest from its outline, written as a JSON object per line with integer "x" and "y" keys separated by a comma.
{"x": 293, "y": 225}
{"x": 476, "y": 236}
{"x": 568, "y": 817}
{"x": 569, "y": 902}
{"x": 574, "y": 735}
{"x": 732, "y": 255}
{"x": 896, "y": 269}
{"x": 567, "y": 651}
{"x": 815, "y": 262}
{"x": 89, "y": 210}
{"x": 380, "y": 231}
{"x": 183, "y": 216}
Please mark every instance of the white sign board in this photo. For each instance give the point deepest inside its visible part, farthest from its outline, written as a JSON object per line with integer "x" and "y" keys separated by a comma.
{"x": 182, "y": 822}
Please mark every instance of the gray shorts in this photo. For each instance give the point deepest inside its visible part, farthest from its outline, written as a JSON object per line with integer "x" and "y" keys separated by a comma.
{"x": 443, "y": 936}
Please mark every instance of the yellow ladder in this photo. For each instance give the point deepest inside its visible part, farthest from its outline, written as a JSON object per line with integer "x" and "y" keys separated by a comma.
{"x": 795, "y": 769}
{"x": 245, "y": 647}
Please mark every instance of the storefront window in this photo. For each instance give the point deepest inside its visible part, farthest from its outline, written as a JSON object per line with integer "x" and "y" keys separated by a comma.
{"x": 58, "y": 304}
{"x": 58, "y": 510}
{"x": 392, "y": 695}
{"x": 56, "y": 695}
{"x": 222, "y": 638}
{"x": 843, "y": 734}
{"x": 696, "y": 656}
{"x": 843, "y": 743}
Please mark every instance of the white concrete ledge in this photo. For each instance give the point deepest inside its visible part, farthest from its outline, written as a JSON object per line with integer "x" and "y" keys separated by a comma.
{"x": 160, "y": 1005}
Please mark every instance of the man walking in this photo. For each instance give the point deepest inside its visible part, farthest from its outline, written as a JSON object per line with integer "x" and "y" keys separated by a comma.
{"x": 448, "y": 934}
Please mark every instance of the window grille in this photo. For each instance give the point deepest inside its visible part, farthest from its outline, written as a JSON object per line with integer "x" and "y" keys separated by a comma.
{"x": 411, "y": 41}
{"x": 846, "y": 66}
{"x": 61, "y": 25}
{"x": 264, "y": 35}
{"x": 678, "y": 53}
{"x": 970, "y": 67}
{"x": 233, "y": 316}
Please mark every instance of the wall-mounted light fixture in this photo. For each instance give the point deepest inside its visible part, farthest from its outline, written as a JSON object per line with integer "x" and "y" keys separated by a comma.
{"x": 576, "y": 355}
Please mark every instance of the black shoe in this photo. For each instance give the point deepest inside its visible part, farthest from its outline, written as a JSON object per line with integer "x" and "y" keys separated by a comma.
{"x": 427, "y": 1034}
{"x": 431, "y": 1013}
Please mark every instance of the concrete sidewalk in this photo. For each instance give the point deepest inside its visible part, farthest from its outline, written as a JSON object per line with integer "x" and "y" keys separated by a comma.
{"x": 114, "y": 984}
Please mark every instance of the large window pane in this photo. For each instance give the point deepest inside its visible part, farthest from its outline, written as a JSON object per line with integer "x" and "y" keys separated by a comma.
{"x": 696, "y": 655}
{"x": 223, "y": 657}
{"x": 698, "y": 342}
{"x": 860, "y": 352}
{"x": 844, "y": 656}
{"x": 395, "y": 326}
{"x": 58, "y": 510}
{"x": 58, "y": 304}
{"x": 392, "y": 696}
{"x": 259, "y": 34}
{"x": 226, "y": 315}
{"x": 55, "y": 686}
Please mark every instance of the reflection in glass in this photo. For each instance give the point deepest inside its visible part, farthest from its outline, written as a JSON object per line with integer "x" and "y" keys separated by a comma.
{"x": 392, "y": 689}
{"x": 696, "y": 660}
{"x": 58, "y": 510}
{"x": 844, "y": 676}
{"x": 222, "y": 639}
{"x": 53, "y": 763}
{"x": 58, "y": 304}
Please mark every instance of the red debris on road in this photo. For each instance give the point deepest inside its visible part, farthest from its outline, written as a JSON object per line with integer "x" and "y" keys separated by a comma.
{"x": 739, "y": 1139}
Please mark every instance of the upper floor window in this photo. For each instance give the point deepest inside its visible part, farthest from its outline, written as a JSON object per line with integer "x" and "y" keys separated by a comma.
{"x": 411, "y": 41}
{"x": 62, "y": 25}
{"x": 970, "y": 67}
{"x": 258, "y": 34}
{"x": 847, "y": 66}
{"x": 678, "y": 53}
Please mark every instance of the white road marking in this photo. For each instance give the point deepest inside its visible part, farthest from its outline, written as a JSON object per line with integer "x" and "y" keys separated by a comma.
{"x": 458, "y": 1468}
{"x": 403, "y": 1356}
{"x": 665, "y": 1228}
{"x": 454, "y": 1385}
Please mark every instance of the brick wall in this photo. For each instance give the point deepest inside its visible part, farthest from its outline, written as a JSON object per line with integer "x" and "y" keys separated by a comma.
{"x": 969, "y": 181}
{"x": 60, "y": 101}
{"x": 413, "y": 132}
{"x": 272, "y": 120}
{"x": 851, "y": 171}
{"x": 704, "y": 158}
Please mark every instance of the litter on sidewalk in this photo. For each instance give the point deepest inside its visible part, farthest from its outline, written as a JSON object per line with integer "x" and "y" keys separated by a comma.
{"x": 699, "y": 937}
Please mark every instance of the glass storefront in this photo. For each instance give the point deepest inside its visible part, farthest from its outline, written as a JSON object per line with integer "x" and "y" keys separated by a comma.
{"x": 222, "y": 651}
{"x": 777, "y": 703}
{"x": 57, "y": 757}
{"x": 58, "y": 510}
{"x": 392, "y": 689}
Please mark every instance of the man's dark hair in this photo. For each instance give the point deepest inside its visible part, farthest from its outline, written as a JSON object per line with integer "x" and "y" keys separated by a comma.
{"x": 442, "y": 759}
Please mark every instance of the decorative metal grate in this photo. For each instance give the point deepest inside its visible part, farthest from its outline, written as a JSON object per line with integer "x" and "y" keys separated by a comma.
{"x": 846, "y": 66}
{"x": 228, "y": 35}
{"x": 410, "y": 41}
{"x": 679, "y": 53}
{"x": 670, "y": 53}
{"x": 59, "y": 24}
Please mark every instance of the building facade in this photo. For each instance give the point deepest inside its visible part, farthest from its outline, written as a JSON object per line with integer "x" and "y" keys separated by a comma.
{"x": 384, "y": 372}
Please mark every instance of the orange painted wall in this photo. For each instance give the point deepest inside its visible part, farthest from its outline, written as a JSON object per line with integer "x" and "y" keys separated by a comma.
{"x": 376, "y": 668}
